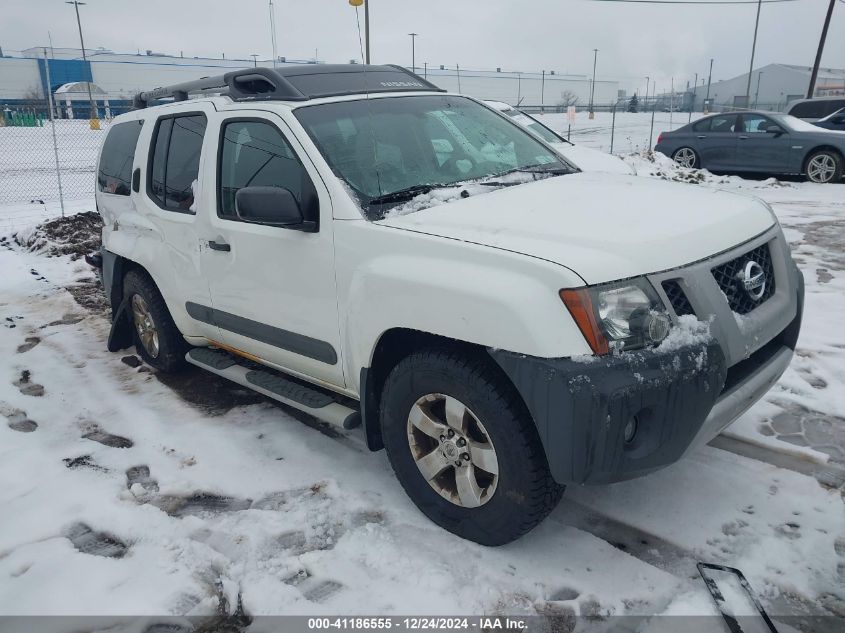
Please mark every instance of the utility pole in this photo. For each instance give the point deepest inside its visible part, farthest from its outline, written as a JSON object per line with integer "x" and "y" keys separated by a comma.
{"x": 645, "y": 102}
{"x": 812, "y": 88}
{"x": 425, "y": 67}
{"x": 94, "y": 121}
{"x": 593, "y": 86}
{"x": 543, "y": 92}
{"x": 367, "y": 31}
{"x": 254, "y": 60}
{"x": 694, "y": 92}
{"x": 709, "y": 77}
{"x": 753, "y": 48}
{"x": 414, "y": 37}
{"x": 273, "y": 32}
{"x": 757, "y": 94}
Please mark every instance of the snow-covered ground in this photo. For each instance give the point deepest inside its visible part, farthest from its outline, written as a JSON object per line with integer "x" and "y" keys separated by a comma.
{"x": 127, "y": 492}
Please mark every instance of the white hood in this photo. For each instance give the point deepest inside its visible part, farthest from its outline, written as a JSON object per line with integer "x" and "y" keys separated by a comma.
{"x": 602, "y": 226}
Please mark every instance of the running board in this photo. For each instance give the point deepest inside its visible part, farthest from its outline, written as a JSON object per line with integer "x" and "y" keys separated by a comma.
{"x": 320, "y": 403}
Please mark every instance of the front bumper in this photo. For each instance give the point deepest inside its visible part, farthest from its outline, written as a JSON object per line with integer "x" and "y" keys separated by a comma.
{"x": 680, "y": 400}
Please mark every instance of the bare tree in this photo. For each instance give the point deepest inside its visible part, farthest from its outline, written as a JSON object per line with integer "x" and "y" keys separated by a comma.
{"x": 35, "y": 96}
{"x": 567, "y": 98}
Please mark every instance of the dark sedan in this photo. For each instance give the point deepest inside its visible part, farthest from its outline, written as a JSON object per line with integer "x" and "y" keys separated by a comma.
{"x": 757, "y": 142}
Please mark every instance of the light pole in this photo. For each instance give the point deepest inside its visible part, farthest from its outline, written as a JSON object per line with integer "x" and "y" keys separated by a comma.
{"x": 753, "y": 48}
{"x": 707, "y": 98}
{"x": 254, "y": 60}
{"x": 757, "y": 93}
{"x": 645, "y": 101}
{"x": 94, "y": 121}
{"x": 414, "y": 37}
{"x": 593, "y": 86}
{"x": 356, "y": 4}
{"x": 273, "y": 32}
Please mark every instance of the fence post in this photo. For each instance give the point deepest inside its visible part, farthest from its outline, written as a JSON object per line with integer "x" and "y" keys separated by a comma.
{"x": 613, "y": 128}
{"x": 651, "y": 133}
{"x": 53, "y": 127}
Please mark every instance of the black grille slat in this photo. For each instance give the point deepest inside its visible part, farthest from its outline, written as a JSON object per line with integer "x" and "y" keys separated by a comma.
{"x": 677, "y": 297}
{"x": 726, "y": 276}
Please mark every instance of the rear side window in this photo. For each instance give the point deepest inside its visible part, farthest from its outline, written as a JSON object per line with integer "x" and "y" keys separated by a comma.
{"x": 809, "y": 110}
{"x": 115, "y": 172}
{"x": 175, "y": 161}
{"x": 254, "y": 153}
{"x": 702, "y": 126}
{"x": 726, "y": 123}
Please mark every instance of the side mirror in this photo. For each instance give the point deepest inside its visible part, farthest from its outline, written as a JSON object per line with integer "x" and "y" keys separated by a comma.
{"x": 774, "y": 128}
{"x": 273, "y": 206}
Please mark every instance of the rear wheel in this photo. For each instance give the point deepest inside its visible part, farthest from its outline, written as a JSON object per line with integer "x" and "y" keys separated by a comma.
{"x": 157, "y": 339}
{"x": 686, "y": 157}
{"x": 824, "y": 166}
{"x": 464, "y": 449}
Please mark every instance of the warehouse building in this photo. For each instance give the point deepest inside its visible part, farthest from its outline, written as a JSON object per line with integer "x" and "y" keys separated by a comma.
{"x": 115, "y": 77}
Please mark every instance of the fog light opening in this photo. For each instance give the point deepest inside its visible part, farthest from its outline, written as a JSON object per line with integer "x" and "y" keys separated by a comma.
{"x": 630, "y": 430}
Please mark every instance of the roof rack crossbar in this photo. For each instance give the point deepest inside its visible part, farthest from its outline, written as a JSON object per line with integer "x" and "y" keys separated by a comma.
{"x": 248, "y": 83}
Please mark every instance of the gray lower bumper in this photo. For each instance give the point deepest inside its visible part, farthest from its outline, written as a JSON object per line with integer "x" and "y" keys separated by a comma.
{"x": 733, "y": 404}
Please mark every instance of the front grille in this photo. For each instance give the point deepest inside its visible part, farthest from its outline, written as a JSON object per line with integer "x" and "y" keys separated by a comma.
{"x": 728, "y": 275}
{"x": 677, "y": 297}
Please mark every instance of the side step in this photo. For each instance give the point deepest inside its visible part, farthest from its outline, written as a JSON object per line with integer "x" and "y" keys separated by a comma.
{"x": 320, "y": 403}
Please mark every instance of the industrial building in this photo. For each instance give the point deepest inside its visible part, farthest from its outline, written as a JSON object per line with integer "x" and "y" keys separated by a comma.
{"x": 115, "y": 77}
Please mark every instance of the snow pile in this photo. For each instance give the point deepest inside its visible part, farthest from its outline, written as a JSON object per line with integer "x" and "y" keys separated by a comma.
{"x": 74, "y": 235}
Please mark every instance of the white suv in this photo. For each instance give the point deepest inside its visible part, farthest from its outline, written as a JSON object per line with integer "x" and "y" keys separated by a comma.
{"x": 357, "y": 244}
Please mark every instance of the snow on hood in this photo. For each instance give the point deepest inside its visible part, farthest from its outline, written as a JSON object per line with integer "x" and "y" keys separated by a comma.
{"x": 588, "y": 159}
{"x": 603, "y": 226}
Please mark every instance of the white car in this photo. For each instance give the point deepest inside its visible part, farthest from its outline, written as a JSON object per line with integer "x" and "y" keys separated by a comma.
{"x": 585, "y": 158}
{"x": 357, "y": 244}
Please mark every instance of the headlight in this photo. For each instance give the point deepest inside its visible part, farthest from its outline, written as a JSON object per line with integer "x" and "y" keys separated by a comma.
{"x": 620, "y": 316}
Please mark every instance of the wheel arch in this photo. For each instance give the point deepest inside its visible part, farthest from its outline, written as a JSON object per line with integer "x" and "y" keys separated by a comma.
{"x": 391, "y": 347}
{"x": 820, "y": 148}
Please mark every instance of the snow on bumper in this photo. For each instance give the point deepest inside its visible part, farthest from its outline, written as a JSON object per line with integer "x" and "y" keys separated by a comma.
{"x": 678, "y": 398}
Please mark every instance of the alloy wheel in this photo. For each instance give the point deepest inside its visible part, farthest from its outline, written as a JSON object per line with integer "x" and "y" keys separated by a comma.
{"x": 821, "y": 168}
{"x": 452, "y": 450}
{"x": 685, "y": 157}
{"x": 145, "y": 325}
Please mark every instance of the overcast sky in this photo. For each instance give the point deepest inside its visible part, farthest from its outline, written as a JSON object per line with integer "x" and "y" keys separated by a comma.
{"x": 634, "y": 40}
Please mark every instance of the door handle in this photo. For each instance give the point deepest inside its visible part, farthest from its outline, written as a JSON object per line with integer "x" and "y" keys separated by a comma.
{"x": 219, "y": 246}
{"x": 743, "y": 138}
{"x": 701, "y": 136}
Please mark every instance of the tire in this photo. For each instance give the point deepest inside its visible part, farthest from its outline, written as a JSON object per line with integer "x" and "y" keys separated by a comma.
{"x": 165, "y": 349}
{"x": 686, "y": 157}
{"x": 513, "y": 501}
{"x": 823, "y": 166}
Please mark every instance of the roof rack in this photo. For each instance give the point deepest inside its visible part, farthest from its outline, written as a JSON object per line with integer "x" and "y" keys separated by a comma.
{"x": 295, "y": 83}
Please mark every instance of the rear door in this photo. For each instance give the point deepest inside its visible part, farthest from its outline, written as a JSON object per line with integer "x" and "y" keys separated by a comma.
{"x": 168, "y": 225}
{"x": 273, "y": 292}
{"x": 759, "y": 150}
{"x": 716, "y": 140}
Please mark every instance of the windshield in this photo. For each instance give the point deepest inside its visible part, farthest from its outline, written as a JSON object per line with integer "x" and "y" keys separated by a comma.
{"x": 794, "y": 124}
{"x": 390, "y": 145}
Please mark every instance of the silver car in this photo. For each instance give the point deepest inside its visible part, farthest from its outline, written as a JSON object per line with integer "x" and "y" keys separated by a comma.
{"x": 757, "y": 142}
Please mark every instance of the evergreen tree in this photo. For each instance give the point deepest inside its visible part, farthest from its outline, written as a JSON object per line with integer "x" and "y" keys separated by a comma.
{"x": 633, "y": 104}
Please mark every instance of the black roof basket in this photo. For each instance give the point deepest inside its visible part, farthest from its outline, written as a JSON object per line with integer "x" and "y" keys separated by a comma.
{"x": 295, "y": 83}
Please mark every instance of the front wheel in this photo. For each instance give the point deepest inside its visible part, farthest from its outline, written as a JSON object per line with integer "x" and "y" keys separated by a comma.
{"x": 464, "y": 448}
{"x": 686, "y": 157}
{"x": 824, "y": 166}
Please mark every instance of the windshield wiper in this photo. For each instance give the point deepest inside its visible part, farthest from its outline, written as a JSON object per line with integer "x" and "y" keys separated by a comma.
{"x": 403, "y": 195}
{"x": 543, "y": 170}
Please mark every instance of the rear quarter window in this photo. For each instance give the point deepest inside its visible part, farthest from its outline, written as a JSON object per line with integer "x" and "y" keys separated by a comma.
{"x": 114, "y": 174}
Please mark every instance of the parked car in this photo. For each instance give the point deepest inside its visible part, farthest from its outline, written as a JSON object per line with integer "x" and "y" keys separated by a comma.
{"x": 757, "y": 142}
{"x": 584, "y": 158}
{"x": 835, "y": 121}
{"x": 362, "y": 246}
{"x": 815, "y": 109}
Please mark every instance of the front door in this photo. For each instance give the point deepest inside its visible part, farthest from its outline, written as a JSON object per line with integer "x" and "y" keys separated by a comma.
{"x": 273, "y": 292}
{"x": 759, "y": 150}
